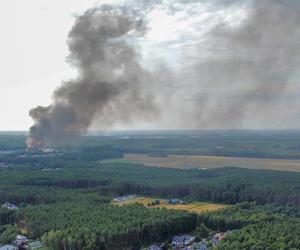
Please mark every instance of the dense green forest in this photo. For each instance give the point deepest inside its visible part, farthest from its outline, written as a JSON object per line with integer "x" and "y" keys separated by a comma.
{"x": 226, "y": 185}
{"x": 243, "y": 143}
{"x": 81, "y": 224}
{"x": 279, "y": 234}
{"x": 262, "y": 227}
{"x": 64, "y": 196}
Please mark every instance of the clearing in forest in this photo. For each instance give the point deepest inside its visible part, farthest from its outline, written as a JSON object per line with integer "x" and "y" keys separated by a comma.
{"x": 197, "y": 207}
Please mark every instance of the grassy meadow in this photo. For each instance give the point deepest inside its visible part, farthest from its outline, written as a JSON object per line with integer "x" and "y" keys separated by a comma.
{"x": 196, "y": 207}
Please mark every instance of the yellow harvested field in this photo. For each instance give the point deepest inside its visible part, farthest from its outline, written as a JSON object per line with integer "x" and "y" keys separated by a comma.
{"x": 207, "y": 162}
{"x": 197, "y": 207}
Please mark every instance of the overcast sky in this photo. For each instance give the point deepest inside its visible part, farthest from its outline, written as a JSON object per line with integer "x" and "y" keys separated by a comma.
{"x": 33, "y": 51}
{"x": 234, "y": 64}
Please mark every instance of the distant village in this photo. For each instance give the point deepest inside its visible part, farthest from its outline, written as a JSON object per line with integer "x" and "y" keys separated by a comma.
{"x": 189, "y": 242}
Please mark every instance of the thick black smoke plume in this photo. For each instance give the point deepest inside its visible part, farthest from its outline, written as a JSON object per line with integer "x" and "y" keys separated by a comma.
{"x": 111, "y": 82}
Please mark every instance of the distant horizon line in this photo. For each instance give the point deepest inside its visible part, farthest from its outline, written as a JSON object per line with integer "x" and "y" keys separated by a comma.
{"x": 158, "y": 130}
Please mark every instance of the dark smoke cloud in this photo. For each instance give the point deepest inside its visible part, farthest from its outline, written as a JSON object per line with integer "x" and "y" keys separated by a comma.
{"x": 111, "y": 82}
{"x": 244, "y": 75}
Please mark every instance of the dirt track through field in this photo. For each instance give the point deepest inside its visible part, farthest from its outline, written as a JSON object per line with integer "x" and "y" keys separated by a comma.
{"x": 190, "y": 161}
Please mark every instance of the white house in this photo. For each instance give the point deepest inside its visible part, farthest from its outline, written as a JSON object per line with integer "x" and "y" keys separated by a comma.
{"x": 10, "y": 206}
{"x": 21, "y": 240}
{"x": 8, "y": 247}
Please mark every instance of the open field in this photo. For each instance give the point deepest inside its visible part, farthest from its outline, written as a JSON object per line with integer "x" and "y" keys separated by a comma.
{"x": 197, "y": 207}
{"x": 188, "y": 161}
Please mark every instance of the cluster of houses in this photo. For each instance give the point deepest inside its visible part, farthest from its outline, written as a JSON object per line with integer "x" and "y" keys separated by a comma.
{"x": 10, "y": 206}
{"x": 189, "y": 242}
{"x": 180, "y": 242}
{"x": 22, "y": 243}
{"x": 124, "y": 197}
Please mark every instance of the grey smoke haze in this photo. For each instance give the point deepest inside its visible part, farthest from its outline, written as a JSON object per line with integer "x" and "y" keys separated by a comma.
{"x": 244, "y": 75}
{"x": 249, "y": 76}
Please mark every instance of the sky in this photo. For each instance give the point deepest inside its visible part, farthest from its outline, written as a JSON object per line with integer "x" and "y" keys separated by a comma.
{"x": 216, "y": 64}
{"x": 33, "y": 54}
